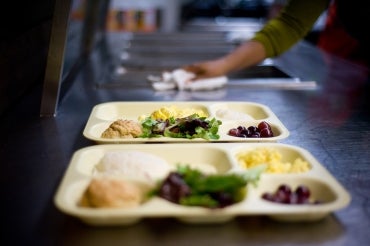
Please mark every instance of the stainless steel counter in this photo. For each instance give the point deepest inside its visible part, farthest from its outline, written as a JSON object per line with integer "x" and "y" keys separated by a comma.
{"x": 331, "y": 121}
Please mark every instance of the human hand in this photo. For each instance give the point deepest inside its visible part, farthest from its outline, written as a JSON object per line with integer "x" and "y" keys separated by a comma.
{"x": 207, "y": 69}
{"x": 248, "y": 54}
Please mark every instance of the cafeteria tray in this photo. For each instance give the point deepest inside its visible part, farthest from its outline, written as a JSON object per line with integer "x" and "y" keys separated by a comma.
{"x": 104, "y": 114}
{"x": 217, "y": 158}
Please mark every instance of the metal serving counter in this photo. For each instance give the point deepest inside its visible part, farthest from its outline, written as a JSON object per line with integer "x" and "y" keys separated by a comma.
{"x": 331, "y": 121}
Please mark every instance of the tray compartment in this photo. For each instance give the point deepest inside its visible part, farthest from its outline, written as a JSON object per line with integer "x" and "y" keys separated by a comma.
{"x": 254, "y": 110}
{"x": 246, "y": 155}
{"x": 278, "y": 131}
{"x": 319, "y": 189}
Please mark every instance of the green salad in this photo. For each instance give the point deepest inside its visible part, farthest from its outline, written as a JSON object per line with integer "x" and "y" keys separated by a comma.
{"x": 188, "y": 127}
{"x": 190, "y": 187}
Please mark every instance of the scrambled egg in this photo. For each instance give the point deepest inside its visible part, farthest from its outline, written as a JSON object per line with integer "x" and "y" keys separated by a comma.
{"x": 273, "y": 159}
{"x": 173, "y": 111}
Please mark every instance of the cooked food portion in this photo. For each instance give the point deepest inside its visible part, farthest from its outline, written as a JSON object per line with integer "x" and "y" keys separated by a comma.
{"x": 273, "y": 159}
{"x": 229, "y": 114}
{"x": 110, "y": 192}
{"x": 123, "y": 129}
{"x": 134, "y": 165}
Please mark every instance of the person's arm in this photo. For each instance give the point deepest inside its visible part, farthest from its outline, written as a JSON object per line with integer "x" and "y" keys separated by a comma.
{"x": 247, "y": 54}
{"x": 292, "y": 24}
{"x": 278, "y": 35}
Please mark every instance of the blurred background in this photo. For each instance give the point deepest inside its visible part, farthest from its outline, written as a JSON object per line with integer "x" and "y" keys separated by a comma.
{"x": 46, "y": 40}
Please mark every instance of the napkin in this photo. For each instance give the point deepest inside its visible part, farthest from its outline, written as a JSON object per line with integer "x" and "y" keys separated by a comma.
{"x": 179, "y": 79}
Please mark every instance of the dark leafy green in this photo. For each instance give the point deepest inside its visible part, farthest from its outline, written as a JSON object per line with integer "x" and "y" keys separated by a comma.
{"x": 189, "y": 127}
{"x": 188, "y": 186}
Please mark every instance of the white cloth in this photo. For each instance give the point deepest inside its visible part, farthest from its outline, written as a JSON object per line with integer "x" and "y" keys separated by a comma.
{"x": 179, "y": 79}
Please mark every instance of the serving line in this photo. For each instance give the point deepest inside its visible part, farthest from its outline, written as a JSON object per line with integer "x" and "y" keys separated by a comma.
{"x": 273, "y": 83}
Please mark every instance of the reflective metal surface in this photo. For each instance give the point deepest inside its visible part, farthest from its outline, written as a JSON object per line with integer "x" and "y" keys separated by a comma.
{"x": 54, "y": 66}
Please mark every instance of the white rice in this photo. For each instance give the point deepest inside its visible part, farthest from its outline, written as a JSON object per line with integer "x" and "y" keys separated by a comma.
{"x": 133, "y": 165}
{"x": 229, "y": 114}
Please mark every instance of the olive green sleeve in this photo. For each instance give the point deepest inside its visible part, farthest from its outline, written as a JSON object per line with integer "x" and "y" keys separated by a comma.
{"x": 290, "y": 26}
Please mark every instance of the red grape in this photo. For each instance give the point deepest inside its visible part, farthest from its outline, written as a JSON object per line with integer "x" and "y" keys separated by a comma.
{"x": 252, "y": 129}
{"x": 266, "y": 133}
{"x": 263, "y": 125}
{"x": 234, "y": 132}
{"x": 285, "y": 188}
{"x": 302, "y": 192}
